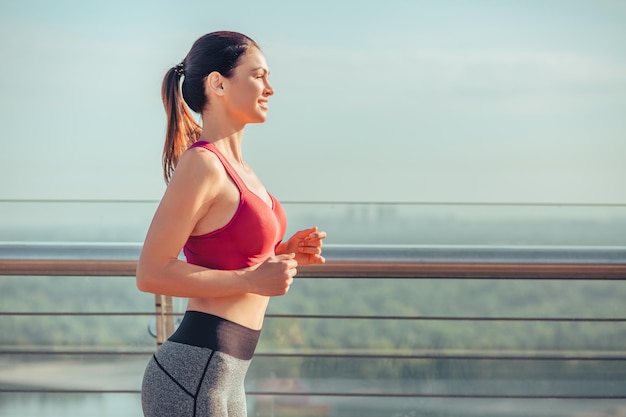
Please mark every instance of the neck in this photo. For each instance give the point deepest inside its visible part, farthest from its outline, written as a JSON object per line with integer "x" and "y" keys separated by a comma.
{"x": 224, "y": 134}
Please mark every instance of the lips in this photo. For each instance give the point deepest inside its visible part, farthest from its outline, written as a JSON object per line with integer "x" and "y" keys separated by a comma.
{"x": 263, "y": 104}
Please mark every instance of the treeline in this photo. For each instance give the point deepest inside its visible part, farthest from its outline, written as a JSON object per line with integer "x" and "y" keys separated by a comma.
{"x": 74, "y": 295}
{"x": 449, "y": 298}
{"x": 430, "y": 300}
{"x": 433, "y": 301}
{"x": 337, "y": 297}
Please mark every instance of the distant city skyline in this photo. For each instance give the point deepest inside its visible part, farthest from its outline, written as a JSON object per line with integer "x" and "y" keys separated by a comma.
{"x": 464, "y": 101}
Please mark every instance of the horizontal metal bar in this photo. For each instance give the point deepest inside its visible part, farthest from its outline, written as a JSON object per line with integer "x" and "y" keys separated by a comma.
{"x": 343, "y": 252}
{"x": 553, "y": 204}
{"x": 85, "y": 314}
{"x": 324, "y": 316}
{"x": 477, "y": 254}
{"x": 344, "y": 269}
{"x": 446, "y": 254}
{"x": 600, "y": 357}
{"x": 451, "y": 203}
{"x": 348, "y": 261}
{"x": 448, "y": 318}
{"x": 344, "y": 394}
{"x": 433, "y": 395}
{"x": 74, "y": 352}
{"x": 67, "y": 267}
{"x": 504, "y": 357}
{"x": 67, "y": 391}
{"x": 55, "y": 251}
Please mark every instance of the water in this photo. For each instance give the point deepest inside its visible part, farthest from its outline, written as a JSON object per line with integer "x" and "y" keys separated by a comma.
{"x": 125, "y": 375}
{"x": 129, "y": 405}
{"x": 70, "y": 405}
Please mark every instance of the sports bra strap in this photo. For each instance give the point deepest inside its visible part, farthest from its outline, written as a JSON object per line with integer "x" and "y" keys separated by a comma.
{"x": 229, "y": 168}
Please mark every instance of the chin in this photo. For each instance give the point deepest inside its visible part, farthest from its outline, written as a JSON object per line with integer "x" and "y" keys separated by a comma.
{"x": 259, "y": 119}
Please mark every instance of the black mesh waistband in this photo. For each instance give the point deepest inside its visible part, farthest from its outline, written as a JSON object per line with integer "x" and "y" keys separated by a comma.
{"x": 216, "y": 333}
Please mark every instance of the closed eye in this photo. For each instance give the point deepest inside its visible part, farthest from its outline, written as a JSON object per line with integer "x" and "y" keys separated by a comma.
{"x": 260, "y": 72}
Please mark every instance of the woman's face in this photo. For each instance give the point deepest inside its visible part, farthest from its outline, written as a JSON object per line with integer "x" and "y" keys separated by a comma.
{"x": 247, "y": 91}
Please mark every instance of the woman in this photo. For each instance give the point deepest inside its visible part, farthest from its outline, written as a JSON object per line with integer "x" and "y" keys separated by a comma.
{"x": 229, "y": 227}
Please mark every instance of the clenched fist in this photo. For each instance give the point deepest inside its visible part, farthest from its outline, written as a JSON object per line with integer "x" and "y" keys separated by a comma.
{"x": 274, "y": 276}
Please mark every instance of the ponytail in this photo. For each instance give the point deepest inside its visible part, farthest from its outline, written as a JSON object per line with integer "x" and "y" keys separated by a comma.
{"x": 182, "y": 130}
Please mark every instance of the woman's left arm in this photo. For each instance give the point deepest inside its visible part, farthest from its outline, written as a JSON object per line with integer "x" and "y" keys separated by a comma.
{"x": 306, "y": 244}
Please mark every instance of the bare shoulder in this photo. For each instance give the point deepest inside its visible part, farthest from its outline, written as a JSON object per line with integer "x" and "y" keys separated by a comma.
{"x": 199, "y": 170}
{"x": 201, "y": 163}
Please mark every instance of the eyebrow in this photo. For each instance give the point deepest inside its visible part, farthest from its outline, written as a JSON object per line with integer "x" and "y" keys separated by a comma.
{"x": 265, "y": 70}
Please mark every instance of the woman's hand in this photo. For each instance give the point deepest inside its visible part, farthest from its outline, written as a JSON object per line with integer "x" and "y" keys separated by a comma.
{"x": 306, "y": 244}
{"x": 274, "y": 276}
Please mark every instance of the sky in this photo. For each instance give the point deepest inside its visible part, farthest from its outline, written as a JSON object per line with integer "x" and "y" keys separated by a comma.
{"x": 474, "y": 101}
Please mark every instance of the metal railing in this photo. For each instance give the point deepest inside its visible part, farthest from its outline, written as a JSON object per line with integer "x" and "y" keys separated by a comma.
{"x": 356, "y": 262}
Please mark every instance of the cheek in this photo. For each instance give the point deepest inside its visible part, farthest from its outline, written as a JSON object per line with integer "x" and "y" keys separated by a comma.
{"x": 247, "y": 92}
{"x": 247, "y": 95}
{"x": 242, "y": 99}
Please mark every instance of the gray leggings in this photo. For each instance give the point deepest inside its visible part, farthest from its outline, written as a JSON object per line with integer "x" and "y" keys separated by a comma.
{"x": 200, "y": 370}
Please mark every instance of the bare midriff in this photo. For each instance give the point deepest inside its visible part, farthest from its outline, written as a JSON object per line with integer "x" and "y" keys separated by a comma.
{"x": 247, "y": 310}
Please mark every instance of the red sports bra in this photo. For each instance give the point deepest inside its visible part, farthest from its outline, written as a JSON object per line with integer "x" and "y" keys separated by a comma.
{"x": 249, "y": 238}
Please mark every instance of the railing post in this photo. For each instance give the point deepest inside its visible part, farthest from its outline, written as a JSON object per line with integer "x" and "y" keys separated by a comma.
{"x": 164, "y": 318}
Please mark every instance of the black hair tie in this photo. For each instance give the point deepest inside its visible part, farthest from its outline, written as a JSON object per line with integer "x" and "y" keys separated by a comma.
{"x": 180, "y": 69}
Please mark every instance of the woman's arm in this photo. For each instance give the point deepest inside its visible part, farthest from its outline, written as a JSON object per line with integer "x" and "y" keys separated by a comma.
{"x": 190, "y": 195}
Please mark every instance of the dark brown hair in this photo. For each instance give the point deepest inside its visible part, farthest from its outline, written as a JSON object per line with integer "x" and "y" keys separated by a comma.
{"x": 216, "y": 51}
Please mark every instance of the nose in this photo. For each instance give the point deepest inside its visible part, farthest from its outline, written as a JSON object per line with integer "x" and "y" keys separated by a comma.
{"x": 269, "y": 90}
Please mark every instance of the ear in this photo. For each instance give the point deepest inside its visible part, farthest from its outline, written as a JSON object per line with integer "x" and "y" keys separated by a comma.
{"x": 215, "y": 83}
